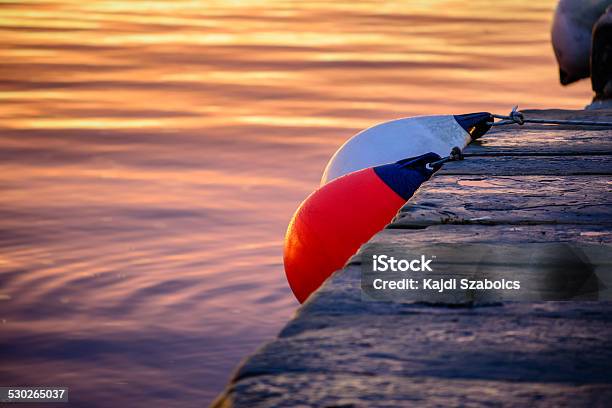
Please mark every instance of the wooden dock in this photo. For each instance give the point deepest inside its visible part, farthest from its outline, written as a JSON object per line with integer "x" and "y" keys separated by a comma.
{"x": 517, "y": 184}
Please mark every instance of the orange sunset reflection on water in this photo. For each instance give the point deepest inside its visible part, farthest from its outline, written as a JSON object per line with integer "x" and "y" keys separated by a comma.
{"x": 153, "y": 152}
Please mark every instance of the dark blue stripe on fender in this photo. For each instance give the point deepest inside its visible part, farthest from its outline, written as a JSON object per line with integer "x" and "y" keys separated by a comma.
{"x": 475, "y": 123}
{"x": 405, "y": 176}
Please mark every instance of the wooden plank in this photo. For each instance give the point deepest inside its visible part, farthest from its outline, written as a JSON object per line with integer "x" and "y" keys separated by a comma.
{"x": 529, "y": 165}
{"x": 322, "y": 389}
{"x": 569, "y": 114}
{"x": 530, "y": 140}
{"x": 536, "y": 256}
{"x": 509, "y": 200}
{"x": 390, "y": 238}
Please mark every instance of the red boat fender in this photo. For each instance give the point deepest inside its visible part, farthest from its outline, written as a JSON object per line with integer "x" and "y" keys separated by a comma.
{"x": 335, "y": 220}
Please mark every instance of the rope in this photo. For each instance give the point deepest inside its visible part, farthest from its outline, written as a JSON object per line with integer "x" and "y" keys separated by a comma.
{"x": 516, "y": 116}
{"x": 455, "y": 154}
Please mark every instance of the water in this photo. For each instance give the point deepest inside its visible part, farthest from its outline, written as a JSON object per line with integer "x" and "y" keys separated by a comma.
{"x": 152, "y": 153}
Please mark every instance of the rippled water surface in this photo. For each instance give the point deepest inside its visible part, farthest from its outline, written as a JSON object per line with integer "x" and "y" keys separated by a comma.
{"x": 151, "y": 154}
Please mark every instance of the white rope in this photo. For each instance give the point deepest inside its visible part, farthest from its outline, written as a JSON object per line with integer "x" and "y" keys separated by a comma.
{"x": 516, "y": 116}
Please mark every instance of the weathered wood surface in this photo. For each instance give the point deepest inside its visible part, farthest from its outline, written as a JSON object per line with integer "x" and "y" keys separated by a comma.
{"x": 394, "y": 239}
{"x": 509, "y": 200}
{"x": 530, "y": 165}
{"x": 528, "y": 139}
{"x": 340, "y": 350}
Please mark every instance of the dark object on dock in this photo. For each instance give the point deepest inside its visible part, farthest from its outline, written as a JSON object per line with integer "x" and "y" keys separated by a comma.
{"x": 530, "y": 183}
{"x": 572, "y": 36}
{"x": 601, "y": 57}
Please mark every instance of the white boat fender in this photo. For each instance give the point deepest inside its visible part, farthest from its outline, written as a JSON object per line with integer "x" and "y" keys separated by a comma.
{"x": 395, "y": 140}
